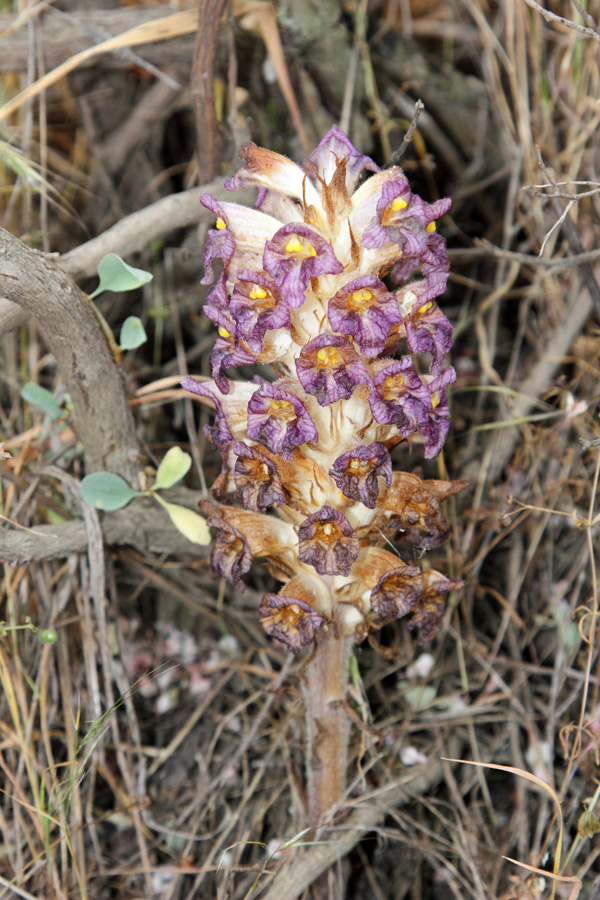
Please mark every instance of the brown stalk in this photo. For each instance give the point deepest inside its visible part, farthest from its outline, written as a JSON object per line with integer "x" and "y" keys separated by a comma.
{"x": 207, "y": 127}
{"x": 327, "y": 725}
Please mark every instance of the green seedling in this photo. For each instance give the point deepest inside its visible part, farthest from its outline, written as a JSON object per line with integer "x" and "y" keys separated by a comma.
{"x": 108, "y": 492}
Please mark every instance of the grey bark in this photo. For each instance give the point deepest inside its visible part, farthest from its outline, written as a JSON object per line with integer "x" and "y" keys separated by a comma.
{"x": 102, "y": 417}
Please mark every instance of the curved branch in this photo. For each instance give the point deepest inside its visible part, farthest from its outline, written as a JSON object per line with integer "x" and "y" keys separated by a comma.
{"x": 101, "y": 414}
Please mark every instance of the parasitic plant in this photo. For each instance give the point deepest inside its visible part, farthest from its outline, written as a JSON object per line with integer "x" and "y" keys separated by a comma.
{"x": 358, "y": 369}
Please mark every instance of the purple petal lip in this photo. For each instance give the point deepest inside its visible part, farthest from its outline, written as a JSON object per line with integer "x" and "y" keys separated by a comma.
{"x": 219, "y": 245}
{"x": 355, "y": 472}
{"x": 429, "y": 331}
{"x": 290, "y": 620}
{"x": 366, "y": 311}
{"x": 437, "y": 425}
{"x": 399, "y": 397}
{"x": 293, "y": 256}
{"x": 226, "y": 354}
{"x": 327, "y": 541}
{"x": 257, "y": 307}
{"x": 279, "y": 420}
{"x": 230, "y": 557}
{"x": 403, "y": 218}
{"x": 330, "y": 369}
{"x": 257, "y": 480}
{"x": 219, "y": 434}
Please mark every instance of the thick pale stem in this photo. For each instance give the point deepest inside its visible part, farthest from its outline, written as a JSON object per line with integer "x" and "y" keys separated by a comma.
{"x": 327, "y": 724}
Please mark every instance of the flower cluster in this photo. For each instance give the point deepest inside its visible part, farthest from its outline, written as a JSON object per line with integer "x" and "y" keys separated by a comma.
{"x": 302, "y": 291}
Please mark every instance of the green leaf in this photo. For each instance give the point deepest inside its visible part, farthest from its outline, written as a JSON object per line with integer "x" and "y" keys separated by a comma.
{"x": 572, "y": 637}
{"x": 116, "y": 275}
{"x": 39, "y": 396}
{"x": 189, "y": 523}
{"x": 133, "y": 334}
{"x": 107, "y": 491}
{"x": 174, "y": 466}
{"x": 420, "y": 696}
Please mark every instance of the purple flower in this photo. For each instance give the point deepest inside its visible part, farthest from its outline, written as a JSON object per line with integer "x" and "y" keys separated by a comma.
{"x": 330, "y": 369}
{"x": 427, "y": 614}
{"x": 403, "y": 218}
{"x": 279, "y": 420}
{"x": 429, "y": 251}
{"x": 422, "y": 594}
{"x": 335, "y": 152}
{"x": 257, "y": 307}
{"x": 239, "y": 237}
{"x": 437, "y": 425}
{"x": 427, "y": 328}
{"x": 219, "y": 434}
{"x": 289, "y": 620}
{"x": 225, "y": 354}
{"x": 355, "y": 472}
{"x": 257, "y": 480}
{"x": 219, "y": 243}
{"x": 294, "y": 256}
{"x": 327, "y": 541}
{"x": 366, "y": 311}
{"x": 397, "y": 592}
{"x": 231, "y": 557}
{"x": 399, "y": 397}
{"x": 217, "y": 309}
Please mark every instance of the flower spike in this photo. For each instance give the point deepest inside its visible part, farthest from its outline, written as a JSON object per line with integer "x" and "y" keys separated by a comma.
{"x": 333, "y": 283}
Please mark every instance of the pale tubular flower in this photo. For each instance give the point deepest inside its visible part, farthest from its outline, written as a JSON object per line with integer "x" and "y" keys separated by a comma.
{"x": 359, "y": 369}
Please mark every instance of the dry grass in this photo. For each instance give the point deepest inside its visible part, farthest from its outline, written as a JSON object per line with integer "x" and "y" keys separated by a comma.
{"x": 155, "y": 750}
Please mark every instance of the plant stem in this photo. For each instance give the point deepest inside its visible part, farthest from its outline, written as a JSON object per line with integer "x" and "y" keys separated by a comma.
{"x": 327, "y": 725}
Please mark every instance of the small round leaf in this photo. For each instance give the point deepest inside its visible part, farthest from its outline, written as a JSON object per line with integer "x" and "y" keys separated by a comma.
{"x": 133, "y": 334}
{"x": 107, "y": 491}
{"x": 117, "y": 275}
{"x": 189, "y": 523}
{"x": 172, "y": 469}
{"x": 420, "y": 696}
{"x": 39, "y": 396}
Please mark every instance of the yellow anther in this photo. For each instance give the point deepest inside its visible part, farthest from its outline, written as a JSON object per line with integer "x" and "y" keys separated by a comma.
{"x": 435, "y": 399}
{"x": 277, "y": 405}
{"x": 399, "y": 203}
{"x": 423, "y": 309}
{"x": 329, "y": 356}
{"x": 294, "y": 245}
{"x": 257, "y": 293}
{"x": 311, "y": 250}
{"x": 294, "y": 608}
{"x": 431, "y": 227}
{"x": 223, "y": 332}
{"x": 394, "y": 381}
{"x": 220, "y": 224}
{"x": 360, "y": 297}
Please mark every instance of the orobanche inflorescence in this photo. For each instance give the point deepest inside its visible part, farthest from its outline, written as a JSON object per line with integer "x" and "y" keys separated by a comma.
{"x": 358, "y": 368}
